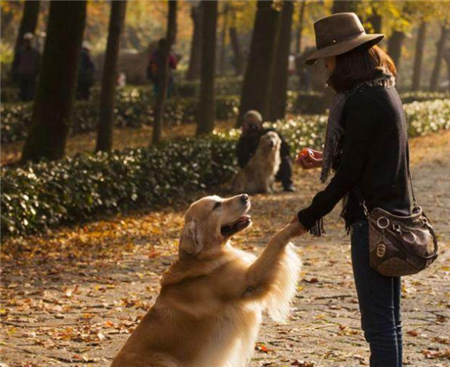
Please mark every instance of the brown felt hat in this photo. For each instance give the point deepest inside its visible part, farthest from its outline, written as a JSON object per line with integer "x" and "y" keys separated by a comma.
{"x": 339, "y": 33}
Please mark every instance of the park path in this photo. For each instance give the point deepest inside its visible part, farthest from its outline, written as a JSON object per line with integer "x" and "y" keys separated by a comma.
{"x": 71, "y": 298}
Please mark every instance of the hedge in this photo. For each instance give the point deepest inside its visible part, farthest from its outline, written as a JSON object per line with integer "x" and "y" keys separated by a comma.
{"x": 36, "y": 197}
{"x": 132, "y": 112}
{"x": 185, "y": 89}
{"x": 134, "y": 107}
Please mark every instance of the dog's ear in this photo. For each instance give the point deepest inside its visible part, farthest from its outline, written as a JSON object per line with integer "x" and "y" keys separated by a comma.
{"x": 191, "y": 242}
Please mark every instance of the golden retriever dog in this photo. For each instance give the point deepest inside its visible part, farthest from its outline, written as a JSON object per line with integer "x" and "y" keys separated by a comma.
{"x": 212, "y": 298}
{"x": 258, "y": 175}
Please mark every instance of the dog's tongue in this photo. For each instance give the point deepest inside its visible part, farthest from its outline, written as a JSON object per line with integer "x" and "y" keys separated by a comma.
{"x": 244, "y": 218}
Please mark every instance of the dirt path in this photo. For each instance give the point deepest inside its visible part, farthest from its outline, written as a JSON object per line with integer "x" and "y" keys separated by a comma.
{"x": 73, "y": 297}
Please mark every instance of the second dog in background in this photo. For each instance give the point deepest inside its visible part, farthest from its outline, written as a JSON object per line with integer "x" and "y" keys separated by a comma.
{"x": 252, "y": 131}
{"x": 258, "y": 175}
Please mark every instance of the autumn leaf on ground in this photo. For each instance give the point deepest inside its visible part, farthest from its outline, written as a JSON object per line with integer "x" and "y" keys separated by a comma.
{"x": 436, "y": 354}
{"x": 261, "y": 347}
{"x": 303, "y": 364}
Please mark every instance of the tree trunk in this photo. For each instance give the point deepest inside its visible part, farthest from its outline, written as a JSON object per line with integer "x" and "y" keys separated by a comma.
{"x": 258, "y": 76}
{"x": 29, "y": 20}
{"x": 223, "y": 42}
{"x": 164, "y": 80}
{"x": 238, "y": 62}
{"x": 376, "y": 21}
{"x": 194, "y": 67}
{"x": 340, "y": 6}
{"x": 418, "y": 57}
{"x": 57, "y": 82}
{"x": 447, "y": 60}
{"x": 440, "y": 48}
{"x": 281, "y": 68}
{"x": 298, "y": 41}
{"x": 395, "y": 45}
{"x": 109, "y": 77}
{"x": 207, "y": 108}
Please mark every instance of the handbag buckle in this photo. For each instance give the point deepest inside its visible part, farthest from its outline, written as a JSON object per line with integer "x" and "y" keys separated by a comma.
{"x": 383, "y": 222}
{"x": 396, "y": 227}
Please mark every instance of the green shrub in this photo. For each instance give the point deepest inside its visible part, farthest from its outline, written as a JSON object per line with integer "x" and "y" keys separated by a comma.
{"x": 134, "y": 107}
{"x": 422, "y": 117}
{"x": 300, "y": 132}
{"x": 132, "y": 112}
{"x": 428, "y": 117}
{"x": 9, "y": 94}
{"x": 409, "y": 97}
{"x": 38, "y": 196}
{"x": 225, "y": 86}
{"x": 316, "y": 103}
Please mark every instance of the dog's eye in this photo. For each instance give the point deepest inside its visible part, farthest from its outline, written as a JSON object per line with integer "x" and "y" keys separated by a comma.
{"x": 217, "y": 205}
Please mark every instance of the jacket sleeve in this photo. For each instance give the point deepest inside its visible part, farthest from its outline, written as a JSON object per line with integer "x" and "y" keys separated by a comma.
{"x": 361, "y": 116}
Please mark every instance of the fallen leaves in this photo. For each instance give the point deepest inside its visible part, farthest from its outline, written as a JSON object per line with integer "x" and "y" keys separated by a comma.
{"x": 437, "y": 354}
{"x": 81, "y": 291}
{"x": 303, "y": 363}
{"x": 442, "y": 340}
{"x": 261, "y": 347}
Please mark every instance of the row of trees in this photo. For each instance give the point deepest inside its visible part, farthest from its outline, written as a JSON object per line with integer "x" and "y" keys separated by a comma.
{"x": 277, "y": 25}
{"x": 58, "y": 77}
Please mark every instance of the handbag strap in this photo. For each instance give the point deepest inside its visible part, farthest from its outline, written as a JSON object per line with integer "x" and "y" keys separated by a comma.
{"x": 409, "y": 176}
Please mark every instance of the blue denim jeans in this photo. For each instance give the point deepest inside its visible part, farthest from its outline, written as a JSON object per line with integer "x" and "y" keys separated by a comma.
{"x": 379, "y": 303}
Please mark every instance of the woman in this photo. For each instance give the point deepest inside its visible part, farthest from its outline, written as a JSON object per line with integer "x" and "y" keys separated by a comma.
{"x": 366, "y": 145}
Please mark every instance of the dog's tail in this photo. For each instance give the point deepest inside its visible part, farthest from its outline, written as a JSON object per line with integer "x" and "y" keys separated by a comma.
{"x": 283, "y": 289}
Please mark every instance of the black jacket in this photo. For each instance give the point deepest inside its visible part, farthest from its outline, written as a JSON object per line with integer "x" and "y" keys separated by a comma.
{"x": 26, "y": 63}
{"x": 86, "y": 68}
{"x": 374, "y": 158}
{"x": 247, "y": 144}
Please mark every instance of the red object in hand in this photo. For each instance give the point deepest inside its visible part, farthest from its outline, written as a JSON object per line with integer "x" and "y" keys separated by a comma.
{"x": 305, "y": 153}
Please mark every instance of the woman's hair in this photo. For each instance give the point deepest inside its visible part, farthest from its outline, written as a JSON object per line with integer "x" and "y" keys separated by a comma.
{"x": 358, "y": 65}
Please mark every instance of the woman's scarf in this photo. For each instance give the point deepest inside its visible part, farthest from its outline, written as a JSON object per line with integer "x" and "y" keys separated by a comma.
{"x": 335, "y": 129}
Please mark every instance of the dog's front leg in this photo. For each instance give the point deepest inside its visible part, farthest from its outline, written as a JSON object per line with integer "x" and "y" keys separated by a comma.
{"x": 274, "y": 274}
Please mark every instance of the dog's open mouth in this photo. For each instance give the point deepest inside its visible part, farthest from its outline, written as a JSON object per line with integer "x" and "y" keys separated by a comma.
{"x": 232, "y": 228}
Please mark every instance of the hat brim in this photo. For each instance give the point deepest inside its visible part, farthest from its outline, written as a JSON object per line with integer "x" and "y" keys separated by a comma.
{"x": 343, "y": 47}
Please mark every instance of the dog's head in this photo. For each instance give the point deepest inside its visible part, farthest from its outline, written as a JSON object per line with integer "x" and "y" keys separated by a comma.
{"x": 211, "y": 221}
{"x": 270, "y": 141}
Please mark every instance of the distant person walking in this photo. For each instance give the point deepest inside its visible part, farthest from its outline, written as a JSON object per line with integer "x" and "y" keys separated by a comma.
{"x": 25, "y": 68}
{"x": 156, "y": 65}
{"x": 86, "y": 73}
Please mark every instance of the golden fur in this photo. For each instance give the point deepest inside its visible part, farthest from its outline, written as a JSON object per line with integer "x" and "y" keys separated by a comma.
{"x": 258, "y": 175}
{"x": 210, "y": 306}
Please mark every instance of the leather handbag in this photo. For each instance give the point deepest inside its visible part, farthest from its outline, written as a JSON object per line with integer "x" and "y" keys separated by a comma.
{"x": 400, "y": 245}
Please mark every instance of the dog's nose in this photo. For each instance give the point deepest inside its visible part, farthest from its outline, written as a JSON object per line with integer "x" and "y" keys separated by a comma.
{"x": 244, "y": 198}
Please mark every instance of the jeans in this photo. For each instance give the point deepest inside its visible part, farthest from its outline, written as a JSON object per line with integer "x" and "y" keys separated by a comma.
{"x": 379, "y": 303}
